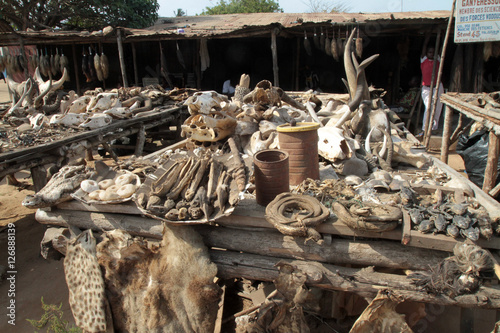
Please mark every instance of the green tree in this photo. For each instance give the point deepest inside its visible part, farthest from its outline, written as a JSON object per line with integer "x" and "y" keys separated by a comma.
{"x": 179, "y": 12}
{"x": 243, "y": 6}
{"x": 78, "y": 14}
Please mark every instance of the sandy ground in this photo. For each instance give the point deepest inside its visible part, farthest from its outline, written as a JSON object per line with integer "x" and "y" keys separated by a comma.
{"x": 4, "y": 93}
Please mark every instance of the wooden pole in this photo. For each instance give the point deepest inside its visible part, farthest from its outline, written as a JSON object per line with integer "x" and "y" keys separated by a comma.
{"x": 490, "y": 172}
{"x": 445, "y": 141}
{"x": 428, "y": 121}
{"x": 75, "y": 66}
{"x": 274, "y": 51}
{"x": 134, "y": 56}
{"x": 440, "y": 72}
{"x": 297, "y": 65}
{"x": 122, "y": 58}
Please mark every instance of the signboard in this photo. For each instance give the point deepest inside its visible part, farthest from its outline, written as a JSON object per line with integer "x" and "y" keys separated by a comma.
{"x": 477, "y": 21}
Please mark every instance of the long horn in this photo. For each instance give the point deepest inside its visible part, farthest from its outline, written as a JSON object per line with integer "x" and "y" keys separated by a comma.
{"x": 367, "y": 141}
{"x": 39, "y": 99}
{"x": 384, "y": 145}
{"x": 38, "y": 77}
{"x": 13, "y": 87}
{"x": 350, "y": 70}
{"x": 26, "y": 91}
{"x": 56, "y": 85}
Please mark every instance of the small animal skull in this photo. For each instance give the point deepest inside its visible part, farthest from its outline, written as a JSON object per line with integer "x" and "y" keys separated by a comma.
{"x": 204, "y": 101}
{"x": 97, "y": 120}
{"x": 213, "y": 127}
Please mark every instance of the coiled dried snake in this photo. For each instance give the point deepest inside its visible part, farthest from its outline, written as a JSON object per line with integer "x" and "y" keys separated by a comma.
{"x": 297, "y": 225}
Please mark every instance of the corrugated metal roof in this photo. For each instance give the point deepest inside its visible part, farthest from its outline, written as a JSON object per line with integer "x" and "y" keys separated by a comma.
{"x": 228, "y": 26}
{"x": 224, "y": 24}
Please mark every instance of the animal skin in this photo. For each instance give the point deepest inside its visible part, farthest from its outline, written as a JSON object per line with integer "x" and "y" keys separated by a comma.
{"x": 59, "y": 187}
{"x": 169, "y": 289}
{"x": 85, "y": 283}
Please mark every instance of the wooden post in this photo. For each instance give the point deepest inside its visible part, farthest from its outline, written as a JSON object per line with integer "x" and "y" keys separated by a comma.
{"x": 75, "y": 66}
{"x": 197, "y": 64}
{"x": 440, "y": 72}
{"x": 141, "y": 139}
{"x": 122, "y": 58}
{"x": 490, "y": 172}
{"x": 445, "y": 141}
{"x": 275, "y": 58}
{"x": 431, "y": 93}
{"x": 297, "y": 65}
{"x": 39, "y": 176}
{"x": 134, "y": 56}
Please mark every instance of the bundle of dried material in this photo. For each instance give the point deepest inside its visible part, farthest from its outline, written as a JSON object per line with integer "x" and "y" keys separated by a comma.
{"x": 154, "y": 290}
{"x": 238, "y": 171}
{"x": 381, "y": 317}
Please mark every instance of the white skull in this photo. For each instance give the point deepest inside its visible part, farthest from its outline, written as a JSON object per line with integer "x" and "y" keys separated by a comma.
{"x": 97, "y": 120}
{"x": 204, "y": 101}
{"x": 38, "y": 121}
{"x": 119, "y": 112}
{"x": 79, "y": 105}
{"x": 213, "y": 127}
{"x": 68, "y": 119}
{"x": 103, "y": 101}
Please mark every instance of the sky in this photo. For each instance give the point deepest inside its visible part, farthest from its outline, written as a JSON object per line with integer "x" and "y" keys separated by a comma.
{"x": 193, "y": 7}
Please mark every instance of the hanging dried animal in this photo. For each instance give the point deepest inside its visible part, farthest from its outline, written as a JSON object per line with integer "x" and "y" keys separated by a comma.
{"x": 328, "y": 45}
{"x": 98, "y": 69}
{"x": 57, "y": 63}
{"x": 307, "y": 45}
{"x": 359, "y": 46}
{"x": 104, "y": 66}
{"x": 64, "y": 64}
{"x": 334, "y": 48}
{"x": 85, "y": 66}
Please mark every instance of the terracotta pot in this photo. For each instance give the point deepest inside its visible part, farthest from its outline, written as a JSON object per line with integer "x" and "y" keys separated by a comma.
{"x": 271, "y": 174}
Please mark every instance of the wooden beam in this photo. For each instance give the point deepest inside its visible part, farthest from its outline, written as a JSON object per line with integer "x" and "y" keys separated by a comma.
{"x": 122, "y": 57}
{"x": 274, "y": 50}
{"x": 134, "y": 57}
{"x": 491, "y": 170}
{"x": 362, "y": 281}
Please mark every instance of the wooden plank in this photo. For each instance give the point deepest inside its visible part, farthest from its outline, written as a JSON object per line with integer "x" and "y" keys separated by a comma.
{"x": 364, "y": 282}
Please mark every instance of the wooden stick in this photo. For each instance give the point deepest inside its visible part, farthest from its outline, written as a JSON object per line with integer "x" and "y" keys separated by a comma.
{"x": 122, "y": 57}
{"x": 134, "y": 57}
{"x": 490, "y": 172}
{"x": 440, "y": 72}
{"x": 274, "y": 50}
{"x": 445, "y": 142}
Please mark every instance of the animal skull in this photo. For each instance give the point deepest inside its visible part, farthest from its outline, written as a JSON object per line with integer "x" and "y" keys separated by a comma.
{"x": 204, "y": 101}
{"x": 103, "y": 101}
{"x": 69, "y": 119}
{"x": 97, "y": 120}
{"x": 213, "y": 127}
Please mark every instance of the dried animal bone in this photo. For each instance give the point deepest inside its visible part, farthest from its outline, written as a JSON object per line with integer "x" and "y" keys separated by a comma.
{"x": 193, "y": 186}
{"x": 103, "y": 101}
{"x": 163, "y": 184}
{"x": 68, "y": 119}
{"x": 96, "y": 120}
{"x": 222, "y": 191}
{"x": 176, "y": 191}
{"x": 212, "y": 127}
{"x": 216, "y": 169}
{"x": 238, "y": 171}
{"x": 263, "y": 95}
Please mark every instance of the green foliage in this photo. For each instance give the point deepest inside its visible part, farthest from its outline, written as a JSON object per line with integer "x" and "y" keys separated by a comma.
{"x": 243, "y": 6}
{"x": 78, "y": 14}
{"x": 52, "y": 320}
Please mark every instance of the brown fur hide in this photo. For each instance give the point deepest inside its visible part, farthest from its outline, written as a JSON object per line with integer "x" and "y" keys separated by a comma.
{"x": 167, "y": 289}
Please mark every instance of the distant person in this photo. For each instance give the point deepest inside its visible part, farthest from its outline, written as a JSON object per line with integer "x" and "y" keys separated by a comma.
{"x": 227, "y": 88}
{"x": 426, "y": 65}
{"x": 407, "y": 101}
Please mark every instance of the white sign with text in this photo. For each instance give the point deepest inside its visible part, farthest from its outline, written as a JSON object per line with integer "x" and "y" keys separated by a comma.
{"x": 477, "y": 21}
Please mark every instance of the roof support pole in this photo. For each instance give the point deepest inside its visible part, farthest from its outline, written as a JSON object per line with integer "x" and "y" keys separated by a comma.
{"x": 297, "y": 64}
{"x": 122, "y": 58}
{"x": 430, "y": 115}
{"x": 134, "y": 56}
{"x": 275, "y": 58}
{"x": 75, "y": 65}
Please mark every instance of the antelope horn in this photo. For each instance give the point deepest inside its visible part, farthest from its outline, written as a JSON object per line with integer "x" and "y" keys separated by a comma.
{"x": 384, "y": 146}
{"x": 38, "y": 77}
{"x": 56, "y": 85}
{"x": 38, "y": 100}
{"x": 13, "y": 86}
{"x": 350, "y": 70}
{"x": 367, "y": 141}
{"x": 26, "y": 91}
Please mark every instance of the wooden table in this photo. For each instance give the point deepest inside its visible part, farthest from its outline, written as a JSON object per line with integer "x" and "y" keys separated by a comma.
{"x": 489, "y": 118}
{"x": 35, "y": 158}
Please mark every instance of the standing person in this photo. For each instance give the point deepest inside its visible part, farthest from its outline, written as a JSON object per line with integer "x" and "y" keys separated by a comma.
{"x": 426, "y": 65}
